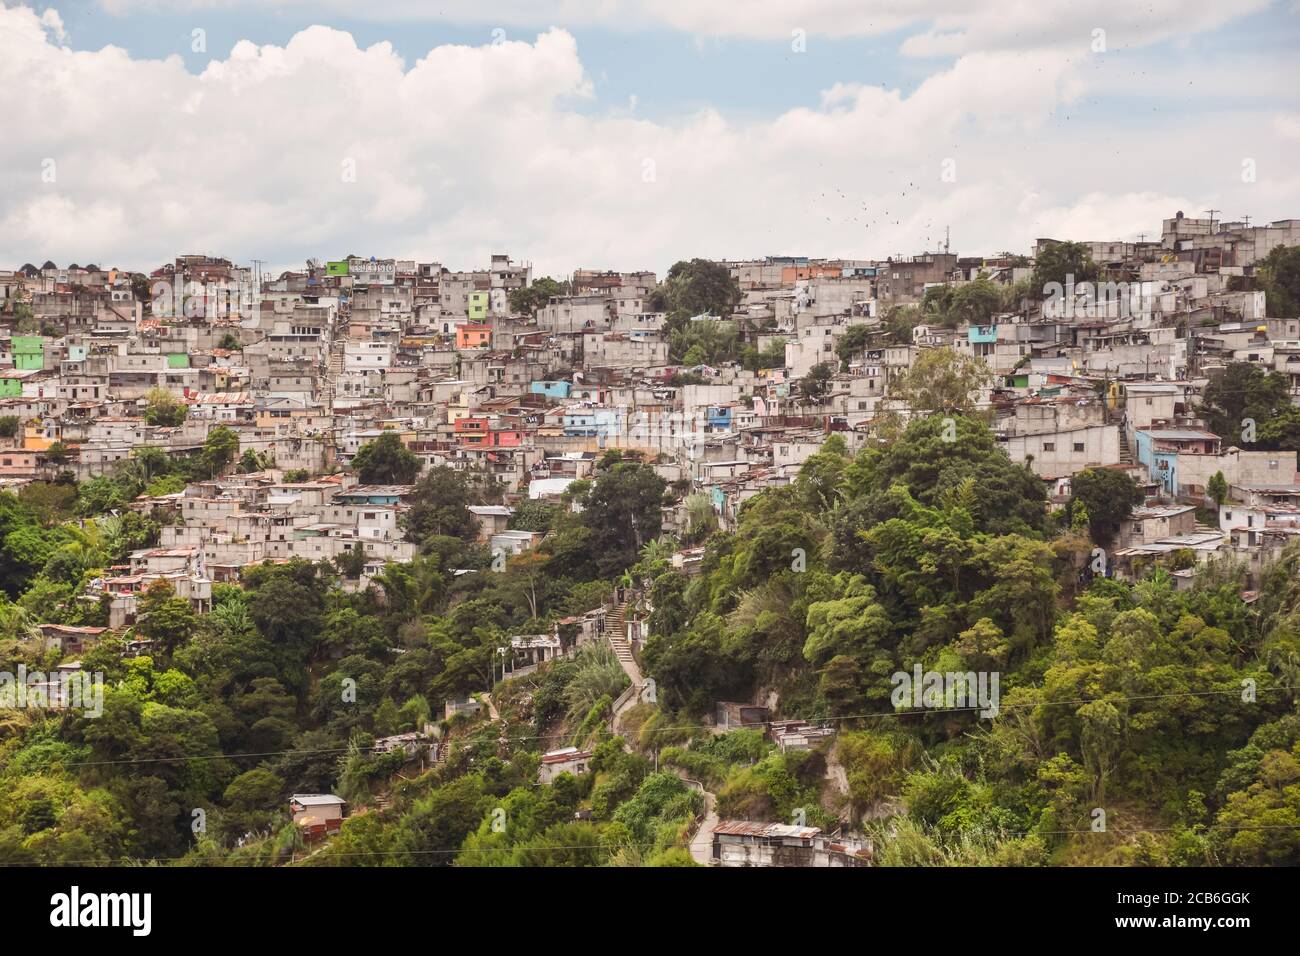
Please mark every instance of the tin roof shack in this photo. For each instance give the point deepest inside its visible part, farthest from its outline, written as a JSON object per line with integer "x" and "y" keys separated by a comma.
{"x": 565, "y": 760}
{"x": 1146, "y": 525}
{"x": 529, "y": 650}
{"x": 492, "y": 519}
{"x": 689, "y": 561}
{"x": 1166, "y": 534}
{"x": 467, "y": 705}
{"x": 729, "y": 715}
{"x": 413, "y": 744}
{"x": 798, "y": 734}
{"x": 318, "y": 814}
{"x": 514, "y": 542}
{"x": 743, "y": 843}
{"x": 67, "y": 639}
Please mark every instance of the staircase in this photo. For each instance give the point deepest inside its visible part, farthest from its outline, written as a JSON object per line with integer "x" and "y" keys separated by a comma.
{"x": 616, "y": 634}
{"x": 1125, "y": 453}
{"x": 333, "y": 369}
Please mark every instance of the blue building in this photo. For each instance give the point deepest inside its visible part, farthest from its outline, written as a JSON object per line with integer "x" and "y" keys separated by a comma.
{"x": 591, "y": 423}
{"x": 719, "y": 417}
{"x": 550, "y": 389}
{"x": 373, "y": 495}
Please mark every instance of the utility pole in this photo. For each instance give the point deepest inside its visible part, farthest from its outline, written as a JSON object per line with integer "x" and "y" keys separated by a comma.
{"x": 1212, "y": 212}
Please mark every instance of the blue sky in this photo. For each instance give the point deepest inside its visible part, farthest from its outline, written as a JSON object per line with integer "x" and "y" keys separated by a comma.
{"x": 671, "y": 71}
{"x": 537, "y": 150}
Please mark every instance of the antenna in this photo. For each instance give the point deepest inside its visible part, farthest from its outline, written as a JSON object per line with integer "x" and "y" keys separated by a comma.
{"x": 1212, "y": 212}
{"x": 1246, "y": 220}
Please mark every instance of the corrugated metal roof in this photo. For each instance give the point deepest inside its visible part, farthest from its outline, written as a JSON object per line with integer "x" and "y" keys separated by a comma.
{"x": 757, "y": 829}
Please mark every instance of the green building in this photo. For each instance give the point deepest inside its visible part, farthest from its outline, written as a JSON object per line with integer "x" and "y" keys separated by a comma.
{"x": 478, "y": 306}
{"x": 29, "y": 352}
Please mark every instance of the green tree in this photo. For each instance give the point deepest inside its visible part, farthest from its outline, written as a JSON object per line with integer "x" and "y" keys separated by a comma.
{"x": 1062, "y": 263}
{"x": 250, "y": 461}
{"x": 528, "y": 300}
{"x": 1241, "y": 391}
{"x": 936, "y": 305}
{"x": 815, "y": 386}
{"x": 853, "y": 341}
{"x": 1282, "y": 430}
{"x": 386, "y": 461}
{"x": 770, "y": 356}
{"x": 704, "y": 341}
{"x": 252, "y": 800}
{"x": 697, "y": 287}
{"x": 437, "y": 824}
{"x": 439, "y": 506}
{"x": 219, "y": 450}
{"x": 623, "y": 511}
{"x": 976, "y": 301}
{"x": 1217, "y": 488}
{"x": 1279, "y": 276}
{"x": 1108, "y": 495}
{"x": 166, "y": 619}
{"x": 164, "y": 408}
{"x": 944, "y": 380}
{"x": 352, "y": 562}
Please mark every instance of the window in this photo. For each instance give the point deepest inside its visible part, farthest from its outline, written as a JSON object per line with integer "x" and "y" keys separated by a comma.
{"x": 1049, "y": 446}
{"x": 1078, "y": 446}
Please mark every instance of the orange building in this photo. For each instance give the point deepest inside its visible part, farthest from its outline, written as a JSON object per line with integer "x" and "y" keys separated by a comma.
{"x": 473, "y": 335}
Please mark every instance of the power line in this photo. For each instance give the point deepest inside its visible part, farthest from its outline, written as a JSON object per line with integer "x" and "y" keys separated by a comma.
{"x": 676, "y": 845}
{"x": 463, "y": 746}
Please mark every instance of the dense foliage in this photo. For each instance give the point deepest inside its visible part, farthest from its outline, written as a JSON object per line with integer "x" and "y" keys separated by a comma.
{"x": 1172, "y": 709}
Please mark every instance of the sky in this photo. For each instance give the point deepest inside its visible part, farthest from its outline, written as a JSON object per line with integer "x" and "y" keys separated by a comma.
{"x": 628, "y": 134}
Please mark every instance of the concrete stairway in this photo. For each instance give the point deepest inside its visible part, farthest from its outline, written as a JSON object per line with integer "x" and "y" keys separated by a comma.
{"x": 616, "y": 634}
{"x": 1125, "y": 453}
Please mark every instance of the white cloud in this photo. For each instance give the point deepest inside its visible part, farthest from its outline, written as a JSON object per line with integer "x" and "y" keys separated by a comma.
{"x": 950, "y": 27}
{"x": 475, "y": 150}
{"x": 1287, "y": 126}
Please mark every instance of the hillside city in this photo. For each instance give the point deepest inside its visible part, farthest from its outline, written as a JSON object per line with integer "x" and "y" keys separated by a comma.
{"x": 930, "y": 560}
